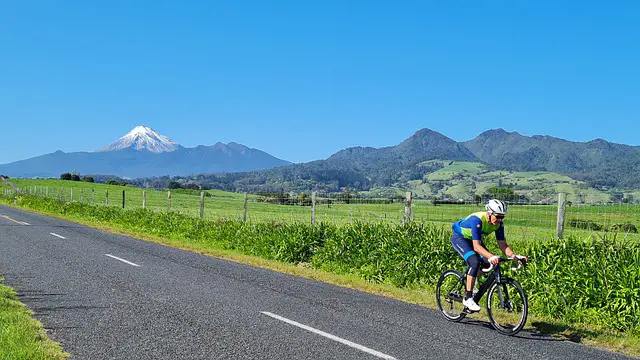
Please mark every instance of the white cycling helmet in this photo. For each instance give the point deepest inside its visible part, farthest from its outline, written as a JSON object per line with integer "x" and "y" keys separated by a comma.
{"x": 496, "y": 206}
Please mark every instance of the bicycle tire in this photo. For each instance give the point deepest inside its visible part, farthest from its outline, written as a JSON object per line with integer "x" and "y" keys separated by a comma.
{"x": 521, "y": 301}
{"x": 460, "y": 289}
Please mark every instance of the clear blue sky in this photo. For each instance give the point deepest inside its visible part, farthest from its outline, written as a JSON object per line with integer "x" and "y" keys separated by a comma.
{"x": 304, "y": 79}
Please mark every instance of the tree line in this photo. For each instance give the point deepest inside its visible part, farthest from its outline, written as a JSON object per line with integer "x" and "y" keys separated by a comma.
{"x": 76, "y": 177}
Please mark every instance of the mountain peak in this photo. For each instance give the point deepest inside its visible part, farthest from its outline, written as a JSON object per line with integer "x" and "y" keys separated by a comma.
{"x": 490, "y": 132}
{"x": 142, "y": 129}
{"x": 143, "y": 138}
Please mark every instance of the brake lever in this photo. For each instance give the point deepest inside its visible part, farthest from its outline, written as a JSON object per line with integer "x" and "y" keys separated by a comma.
{"x": 521, "y": 262}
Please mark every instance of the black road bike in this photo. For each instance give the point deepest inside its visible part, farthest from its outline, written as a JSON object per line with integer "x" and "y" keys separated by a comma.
{"x": 506, "y": 305}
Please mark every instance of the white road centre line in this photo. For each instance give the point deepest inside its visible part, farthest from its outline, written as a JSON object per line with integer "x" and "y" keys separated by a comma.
{"x": 123, "y": 260}
{"x": 25, "y": 223}
{"x": 332, "y": 337}
{"x": 58, "y": 236}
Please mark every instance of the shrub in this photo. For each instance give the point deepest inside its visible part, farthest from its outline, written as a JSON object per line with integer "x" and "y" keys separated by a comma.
{"x": 173, "y": 185}
{"x": 585, "y": 224}
{"x": 626, "y": 227}
{"x": 116, "y": 182}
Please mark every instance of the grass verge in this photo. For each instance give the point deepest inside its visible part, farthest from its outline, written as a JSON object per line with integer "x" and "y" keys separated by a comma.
{"x": 21, "y": 336}
{"x": 627, "y": 343}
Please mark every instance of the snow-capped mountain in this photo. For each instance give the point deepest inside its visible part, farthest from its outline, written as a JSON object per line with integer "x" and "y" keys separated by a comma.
{"x": 127, "y": 158}
{"x": 144, "y": 138}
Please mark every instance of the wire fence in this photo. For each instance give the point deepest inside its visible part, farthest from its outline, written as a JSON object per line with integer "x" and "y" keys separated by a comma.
{"x": 525, "y": 219}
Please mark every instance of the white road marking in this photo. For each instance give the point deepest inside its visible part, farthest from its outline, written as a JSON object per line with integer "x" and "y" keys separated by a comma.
{"x": 25, "y": 223}
{"x": 332, "y": 337}
{"x": 123, "y": 260}
{"x": 59, "y": 236}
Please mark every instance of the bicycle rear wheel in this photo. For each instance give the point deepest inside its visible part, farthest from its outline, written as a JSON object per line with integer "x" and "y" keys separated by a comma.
{"x": 507, "y": 307}
{"x": 449, "y": 294}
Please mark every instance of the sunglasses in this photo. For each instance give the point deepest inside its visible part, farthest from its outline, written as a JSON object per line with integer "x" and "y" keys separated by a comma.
{"x": 498, "y": 216}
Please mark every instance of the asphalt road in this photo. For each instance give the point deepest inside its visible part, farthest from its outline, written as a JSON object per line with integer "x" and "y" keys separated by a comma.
{"x": 105, "y": 296}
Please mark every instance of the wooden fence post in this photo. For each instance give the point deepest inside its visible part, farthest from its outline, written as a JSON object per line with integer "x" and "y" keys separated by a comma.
{"x": 201, "y": 204}
{"x": 123, "y": 199}
{"x": 561, "y": 212}
{"x": 244, "y": 218}
{"x": 407, "y": 209}
{"x": 144, "y": 199}
{"x": 93, "y": 196}
{"x": 71, "y": 195}
{"x": 168, "y": 200}
{"x": 106, "y": 197}
{"x": 313, "y": 207}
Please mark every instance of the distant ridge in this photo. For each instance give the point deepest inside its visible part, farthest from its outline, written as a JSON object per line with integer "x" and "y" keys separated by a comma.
{"x": 597, "y": 163}
{"x": 143, "y": 152}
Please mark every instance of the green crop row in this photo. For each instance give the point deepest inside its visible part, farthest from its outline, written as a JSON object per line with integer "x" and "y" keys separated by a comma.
{"x": 591, "y": 279}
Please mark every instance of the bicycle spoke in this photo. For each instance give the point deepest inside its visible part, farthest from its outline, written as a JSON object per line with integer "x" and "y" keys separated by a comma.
{"x": 449, "y": 295}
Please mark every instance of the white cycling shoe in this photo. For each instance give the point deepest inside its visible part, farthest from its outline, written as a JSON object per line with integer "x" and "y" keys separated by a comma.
{"x": 471, "y": 305}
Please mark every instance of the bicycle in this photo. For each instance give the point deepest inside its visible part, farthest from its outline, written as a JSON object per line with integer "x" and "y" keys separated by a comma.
{"x": 507, "y": 305}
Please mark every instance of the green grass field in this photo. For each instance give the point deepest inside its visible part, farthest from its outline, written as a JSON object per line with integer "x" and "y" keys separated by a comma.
{"x": 22, "y": 337}
{"x": 462, "y": 180}
{"x": 454, "y": 168}
{"x": 524, "y": 221}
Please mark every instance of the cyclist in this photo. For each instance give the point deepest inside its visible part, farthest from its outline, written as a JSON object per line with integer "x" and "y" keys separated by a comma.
{"x": 467, "y": 237}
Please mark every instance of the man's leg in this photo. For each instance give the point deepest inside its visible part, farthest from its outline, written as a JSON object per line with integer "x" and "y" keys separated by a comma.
{"x": 474, "y": 267}
{"x": 465, "y": 249}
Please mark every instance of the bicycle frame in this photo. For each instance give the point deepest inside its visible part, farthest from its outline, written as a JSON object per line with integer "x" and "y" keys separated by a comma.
{"x": 482, "y": 289}
{"x": 493, "y": 276}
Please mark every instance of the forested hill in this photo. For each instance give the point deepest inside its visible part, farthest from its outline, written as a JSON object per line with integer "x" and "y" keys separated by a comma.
{"x": 597, "y": 162}
{"x": 386, "y": 165}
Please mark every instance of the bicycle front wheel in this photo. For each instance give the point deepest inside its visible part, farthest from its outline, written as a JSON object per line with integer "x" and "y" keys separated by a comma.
{"x": 449, "y": 294}
{"x": 507, "y": 307}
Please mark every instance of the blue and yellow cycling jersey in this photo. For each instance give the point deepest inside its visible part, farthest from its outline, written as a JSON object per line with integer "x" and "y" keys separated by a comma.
{"x": 476, "y": 226}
